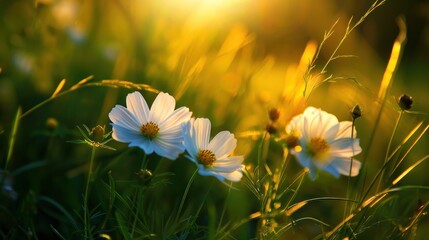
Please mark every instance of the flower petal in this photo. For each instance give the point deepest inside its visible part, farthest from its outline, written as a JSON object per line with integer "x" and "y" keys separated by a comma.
{"x": 137, "y": 105}
{"x": 175, "y": 119}
{"x": 332, "y": 170}
{"x": 120, "y": 115}
{"x": 343, "y": 166}
{"x": 345, "y": 147}
{"x": 231, "y": 166}
{"x": 134, "y": 138}
{"x": 168, "y": 148}
{"x": 162, "y": 107}
{"x": 223, "y": 144}
{"x": 202, "y": 128}
{"x": 189, "y": 140}
{"x": 345, "y": 130}
{"x": 320, "y": 122}
{"x": 233, "y": 176}
{"x": 126, "y": 135}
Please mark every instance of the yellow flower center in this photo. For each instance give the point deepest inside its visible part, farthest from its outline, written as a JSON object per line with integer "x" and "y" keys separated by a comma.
{"x": 206, "y": 157}
{"x": 317, "y": 148}
{"x": 149, "y": 130}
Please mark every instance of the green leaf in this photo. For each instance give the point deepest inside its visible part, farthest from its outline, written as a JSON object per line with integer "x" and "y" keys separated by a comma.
{"x": 12, "y": 137}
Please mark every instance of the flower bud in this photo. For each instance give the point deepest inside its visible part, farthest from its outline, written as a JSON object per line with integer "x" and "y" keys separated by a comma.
{"x": 274, "y": 114}
{"x": 52, "y": 123}
{"x": 356, "y": 112}
{"x": 271, "y": 129}
{"x": 405, "y": 102}
{"x": 97, "y": 133}
{"x": 292, "y": 140}
{"x": 145, "y": 175}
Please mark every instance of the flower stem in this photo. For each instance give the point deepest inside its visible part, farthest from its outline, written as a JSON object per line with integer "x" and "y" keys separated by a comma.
{"x": 138, "y": 196}
{"x": 350, "y": 172}
{"x": 386, "y": 158}
{"x": 87, "y": 228}
{"x": 224, "y": 208}
{"x": 185, "y": 194}
{"x": 261, "y": 156}
{"x": 380, "y": 173}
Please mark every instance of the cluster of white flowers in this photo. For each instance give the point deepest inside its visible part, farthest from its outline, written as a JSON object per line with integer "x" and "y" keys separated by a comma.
{"x": 321, "y": 142}
{"x": 169, "y": 132}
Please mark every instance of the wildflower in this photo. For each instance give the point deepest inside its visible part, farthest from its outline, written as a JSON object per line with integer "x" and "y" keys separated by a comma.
{"x": 213, "y": 158}
{"x": 405, "y": 102}
{"x": 157, "y": 129}
{"x": 324, "y": 143}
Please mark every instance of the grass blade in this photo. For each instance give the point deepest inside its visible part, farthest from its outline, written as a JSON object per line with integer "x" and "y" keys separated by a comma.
{"x": 12, "y": 137}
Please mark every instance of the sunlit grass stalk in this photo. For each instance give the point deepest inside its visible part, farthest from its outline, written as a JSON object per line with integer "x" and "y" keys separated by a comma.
{"x": 87, "y": 228}
{"x": 334, "y": 54}
{"x": 386, "y": 82}
{"x": 261, "y": 155}
{"x": 237, "y": 225}
{"x": 271, "y": 193}
{"x": 277, "y": 177}
{"x": 301, "y": 177}
{"x": 399, "y": 161}
{"x": 83, "y": 84}
{"x": 369, "y": 203}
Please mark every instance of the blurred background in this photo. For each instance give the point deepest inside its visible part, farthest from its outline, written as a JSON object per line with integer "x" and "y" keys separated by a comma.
{"x": 228, "y": 60}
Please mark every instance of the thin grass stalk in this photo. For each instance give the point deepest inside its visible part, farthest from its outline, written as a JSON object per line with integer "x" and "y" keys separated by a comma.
{"x": 261, "y": 156}
{"x": 224, "y": 207}
{"x": 185, "y": 194}
{"x": 350, "y": 172}
{"x": 395, "y": 57}
{"x": 301, "y": 176}
{"x": 369, "y": 203}
{"x": 237, "y": 225}
{"x": 87, "y": 228}
{"x": 12, "y": 138}
{"x": 138, "y": 196}
{"x": 399, "y": 161}
{"x": 272, "y": 191}
{"x": 386, "y": 160}
{"x": 84, "y": 84}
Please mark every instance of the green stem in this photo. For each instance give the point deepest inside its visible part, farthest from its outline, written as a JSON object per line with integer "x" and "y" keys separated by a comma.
{"x": 185, "y": 194}
{"x": 350, "y": 171}
{"x": 138, "y": 196}
{"x": 261, "y": 156}
{"x": 386, "y": 158}
{"x": 87, "y": 228}
{"x": 224, "y": 208}
{"x": 298, "y": 187}
{"x": 379, "y": 174}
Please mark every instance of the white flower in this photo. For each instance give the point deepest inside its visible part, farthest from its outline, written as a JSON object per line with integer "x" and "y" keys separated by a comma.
{"x": 213, "y": 158}
{"x": 324, "y": 143}
{"x": 157, "y": 129}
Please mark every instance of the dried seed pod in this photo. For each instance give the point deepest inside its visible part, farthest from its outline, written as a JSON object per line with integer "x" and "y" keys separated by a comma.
{"x": 405, "y": 102}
